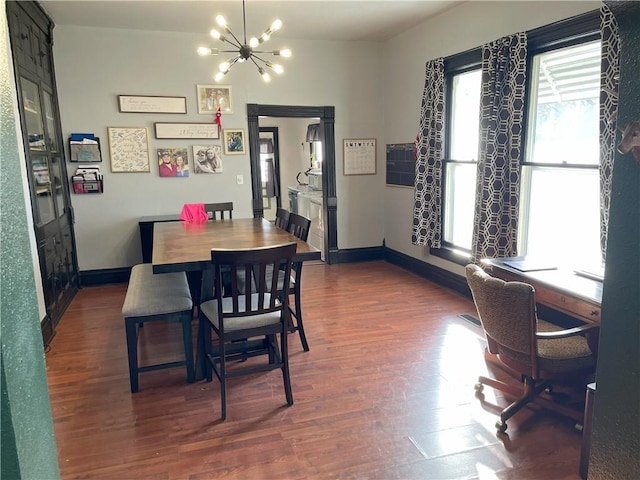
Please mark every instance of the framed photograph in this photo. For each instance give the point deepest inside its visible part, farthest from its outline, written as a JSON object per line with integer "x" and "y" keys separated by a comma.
{"x": 129, "y": 149}
{"x": 234, "y": 142}
{"x": 359, "y": 156}
{"x": 207, "y": 158}
{"x": 173, "y": 162}
{"x": 210, "y": 97}
{"x": 187, "y": 130}
{"x": 151, "y": 104}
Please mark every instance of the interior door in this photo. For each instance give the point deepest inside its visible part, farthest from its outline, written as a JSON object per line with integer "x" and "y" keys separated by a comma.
{"x": 270, "y": 172}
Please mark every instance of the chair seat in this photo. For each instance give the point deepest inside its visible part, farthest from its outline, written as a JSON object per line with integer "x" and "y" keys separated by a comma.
{"x": 210, "y": 309}
{"x": 563, "y": 354}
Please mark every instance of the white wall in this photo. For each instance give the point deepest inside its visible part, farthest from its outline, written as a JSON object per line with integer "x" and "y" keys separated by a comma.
{"x": 459, "y": 29}
{"x": 94, "y": 65}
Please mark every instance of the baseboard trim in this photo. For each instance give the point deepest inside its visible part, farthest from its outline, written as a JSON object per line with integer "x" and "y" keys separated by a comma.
{"x": 93, "y": 278}
{"x": 438, "y": 275}
{"x": 48, "y": 330}
{"x": 367, "y": 254}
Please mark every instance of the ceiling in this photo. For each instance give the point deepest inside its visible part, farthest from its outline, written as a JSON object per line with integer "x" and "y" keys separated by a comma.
{"x": 351, "y": 20}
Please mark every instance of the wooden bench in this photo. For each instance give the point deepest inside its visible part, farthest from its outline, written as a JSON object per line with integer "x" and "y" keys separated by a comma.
{"x": 155, "y": 297}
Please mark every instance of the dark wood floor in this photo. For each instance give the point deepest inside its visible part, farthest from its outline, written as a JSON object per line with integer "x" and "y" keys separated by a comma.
{"x": 386, "y": 392}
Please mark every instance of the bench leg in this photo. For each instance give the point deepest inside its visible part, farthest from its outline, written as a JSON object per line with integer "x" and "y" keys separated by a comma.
{"x": 188, "y": 345}
{"x": 132, "y": 352}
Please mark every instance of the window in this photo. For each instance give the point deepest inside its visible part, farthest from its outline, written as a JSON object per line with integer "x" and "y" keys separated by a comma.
{"x": 559, "y": 200}
{"x": 463, "y": 82}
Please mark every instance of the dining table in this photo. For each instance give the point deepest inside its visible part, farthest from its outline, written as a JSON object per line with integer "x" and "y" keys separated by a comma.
{"x": 186, "y": 246}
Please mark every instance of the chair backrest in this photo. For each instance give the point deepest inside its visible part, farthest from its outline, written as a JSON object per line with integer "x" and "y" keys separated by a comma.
{"x": 508, "y": 315}
{"x": 282, "y": 218}
{"x": 215, "y": 210}
{"x": 246, "y": 267}
{"x": 299, "y": 226}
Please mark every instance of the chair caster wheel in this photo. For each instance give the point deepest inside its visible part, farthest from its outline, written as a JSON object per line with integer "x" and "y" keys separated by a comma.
{"x": 478, "y": 387}
{"x": 501, "y": 426}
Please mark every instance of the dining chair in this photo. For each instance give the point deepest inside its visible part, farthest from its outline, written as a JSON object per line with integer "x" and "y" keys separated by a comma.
{"x": 535, "y": 352}
{"x": 246, "y": 325}
{"x": 299, "y": 227}
{"x": 282, "y": 218}
{"x": 215, "y": 210}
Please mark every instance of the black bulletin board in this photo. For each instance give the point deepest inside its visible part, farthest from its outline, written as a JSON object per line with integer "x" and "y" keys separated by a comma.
{"x": 401, "y": 164}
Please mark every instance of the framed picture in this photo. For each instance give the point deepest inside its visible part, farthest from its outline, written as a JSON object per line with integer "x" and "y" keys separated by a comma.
{"x": 129, "y": 149}
{"x": 187, "y": 130}
{"x": 173, "y": 162}
{"x": 151, "y": 104}
{"x": 210, "y": 97}
{"x": 234, "y": 143}
{"x": 359, "y": 156}
{"x": 207, "y": 159}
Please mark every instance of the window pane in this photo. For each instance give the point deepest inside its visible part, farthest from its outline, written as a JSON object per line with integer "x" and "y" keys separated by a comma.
{"x": 564, "y": 111}
{"x": 564, "y": 215}
{"x": 460, "y": 190}
{"x": 465, "y": 116}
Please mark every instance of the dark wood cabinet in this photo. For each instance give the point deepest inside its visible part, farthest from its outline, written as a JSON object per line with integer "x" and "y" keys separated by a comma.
{"x": 31, "y": 34}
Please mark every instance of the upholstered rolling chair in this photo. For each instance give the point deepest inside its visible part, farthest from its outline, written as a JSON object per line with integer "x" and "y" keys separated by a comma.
{"x": 282, "y": 218}
{"x": 530, "y": 349}
{"x": 246, "y": 325}
{"x": 217, "y": 210}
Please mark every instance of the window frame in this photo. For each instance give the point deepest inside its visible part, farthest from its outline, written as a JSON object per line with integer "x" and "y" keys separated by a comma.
{"x": 564, "y": 33}
{"x": 454, "y": 65}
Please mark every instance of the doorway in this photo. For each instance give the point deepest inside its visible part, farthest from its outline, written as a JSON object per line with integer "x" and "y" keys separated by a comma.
{"x": 270, "y": 172}
{"x": 326, "y": 114}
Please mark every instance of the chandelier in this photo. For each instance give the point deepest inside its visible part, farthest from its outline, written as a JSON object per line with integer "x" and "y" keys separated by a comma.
{"x": 245, "y": 50}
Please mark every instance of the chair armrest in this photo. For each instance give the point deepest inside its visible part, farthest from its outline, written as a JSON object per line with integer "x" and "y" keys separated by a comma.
{"x": 569, "y": 332}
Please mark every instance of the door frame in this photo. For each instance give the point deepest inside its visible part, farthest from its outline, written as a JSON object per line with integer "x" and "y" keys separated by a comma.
{"x": 330, "y": 201}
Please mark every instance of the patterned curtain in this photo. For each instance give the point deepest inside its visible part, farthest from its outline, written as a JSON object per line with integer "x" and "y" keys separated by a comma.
{"x": 609, "y": 77}
{"x": 427, "y": 215}
{"x": 495, "y": 228}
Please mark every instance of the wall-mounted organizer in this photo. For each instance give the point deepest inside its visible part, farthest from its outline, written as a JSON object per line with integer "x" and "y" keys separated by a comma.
{"x": 84, "y": 147}
{"x": 87, "y": 179}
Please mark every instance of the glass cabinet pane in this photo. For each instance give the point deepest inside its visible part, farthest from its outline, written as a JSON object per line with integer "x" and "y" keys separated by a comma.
{"x": 56, "y": 184}
{"x": 33, "y": 115}
{"x": 52, "y": 134}
{"x": 42, "y": 183}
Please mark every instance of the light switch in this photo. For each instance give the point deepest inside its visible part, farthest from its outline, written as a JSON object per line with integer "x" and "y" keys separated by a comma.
{"x": 240, "y": 179}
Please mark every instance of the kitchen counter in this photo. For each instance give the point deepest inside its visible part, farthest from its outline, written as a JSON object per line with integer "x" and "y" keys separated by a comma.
{"x": 302, "y": 189}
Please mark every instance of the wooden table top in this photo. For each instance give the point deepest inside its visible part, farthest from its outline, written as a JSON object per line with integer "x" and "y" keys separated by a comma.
{"x": 184, "y": 246}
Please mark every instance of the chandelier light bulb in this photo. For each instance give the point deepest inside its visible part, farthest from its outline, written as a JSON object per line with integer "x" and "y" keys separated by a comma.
{"x": 285, "y": 52}
{"x": 204, "y": 51}
{"x": 265, "y": 36}
{"x": 219, "y": 76}
{"x": 265, "y": 76}
{"x": 224, "y": 67}
{"x": 215, "y": 34}
{"x": 276, "y": 25}
{"x": 275, "y": 67}
{"x": 254, "y": 42}
{"x": 221, "y": 21}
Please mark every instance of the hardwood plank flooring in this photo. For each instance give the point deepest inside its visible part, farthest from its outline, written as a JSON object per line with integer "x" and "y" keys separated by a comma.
{"x": 386, "y": 392}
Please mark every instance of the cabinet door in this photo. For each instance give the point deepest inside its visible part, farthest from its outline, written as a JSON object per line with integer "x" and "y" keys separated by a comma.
{"x": 30, "y": 30}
